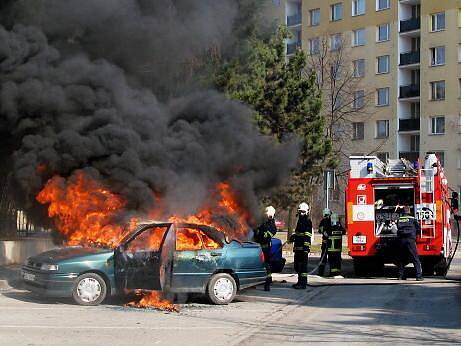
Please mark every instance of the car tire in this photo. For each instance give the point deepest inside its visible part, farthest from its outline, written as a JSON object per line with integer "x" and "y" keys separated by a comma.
{"x": 221, "y": 289}
{"x": 89, "y": 289}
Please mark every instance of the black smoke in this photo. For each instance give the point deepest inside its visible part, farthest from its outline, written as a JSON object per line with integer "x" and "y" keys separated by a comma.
{"x": 82, "y": 103}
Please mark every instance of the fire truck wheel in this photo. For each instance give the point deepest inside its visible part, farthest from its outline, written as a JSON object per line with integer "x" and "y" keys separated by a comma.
{"x": 364, "y": 267}
{"x": 89, "y": 289}
{"x": 221, "y": 289}
{"x": 428, "y": 268}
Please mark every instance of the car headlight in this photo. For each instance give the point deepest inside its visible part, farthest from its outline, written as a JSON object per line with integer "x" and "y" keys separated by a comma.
{"x": 51, "y": 267}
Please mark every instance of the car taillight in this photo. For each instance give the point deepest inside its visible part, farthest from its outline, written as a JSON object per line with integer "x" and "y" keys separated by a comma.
{"x": 262, "y": 257}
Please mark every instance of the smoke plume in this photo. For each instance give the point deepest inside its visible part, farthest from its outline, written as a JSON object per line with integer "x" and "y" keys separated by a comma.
{"x": 74, "y": 96}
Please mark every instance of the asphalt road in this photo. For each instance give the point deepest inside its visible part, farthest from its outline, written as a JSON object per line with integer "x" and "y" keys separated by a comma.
{"x": 379, "y": 310}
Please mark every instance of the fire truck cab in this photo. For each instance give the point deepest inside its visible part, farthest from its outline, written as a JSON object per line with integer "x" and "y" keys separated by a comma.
{"x": 374, "y": 196}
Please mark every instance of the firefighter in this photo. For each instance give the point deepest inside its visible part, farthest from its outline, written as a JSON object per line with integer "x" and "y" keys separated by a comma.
{"x": 302, "y": 244}
{"x": 324, "y": 227}
{"x": 407, "y": 228}
{"x": 335, "y": 246}
{"x": 263, "y": 235}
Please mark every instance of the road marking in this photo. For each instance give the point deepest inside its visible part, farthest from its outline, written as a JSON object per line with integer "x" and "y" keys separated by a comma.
{"x": 112, "y": 327}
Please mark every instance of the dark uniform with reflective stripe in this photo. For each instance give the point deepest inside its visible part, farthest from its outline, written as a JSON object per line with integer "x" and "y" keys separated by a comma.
{"x": 407, "y": 227}
{"x": 334, "y": 248}
{"x": 324, "y": 228}
{"x": 302, "y": 247}
{"x": 263, "y": 235}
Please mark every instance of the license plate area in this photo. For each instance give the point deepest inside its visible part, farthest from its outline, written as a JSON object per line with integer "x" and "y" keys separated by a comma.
{"x": 28, "y": 276}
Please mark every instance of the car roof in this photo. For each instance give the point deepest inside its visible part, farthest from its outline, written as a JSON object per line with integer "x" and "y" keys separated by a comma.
{"x": 208, "y": 230}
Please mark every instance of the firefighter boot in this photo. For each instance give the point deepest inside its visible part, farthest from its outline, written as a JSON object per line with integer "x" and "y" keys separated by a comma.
{"x": 302, "y": 282}
{"x": 267, "y": 284}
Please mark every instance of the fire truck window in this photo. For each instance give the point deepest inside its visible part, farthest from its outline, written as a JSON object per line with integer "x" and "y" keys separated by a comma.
{"x": 150, "y": 240}
{"x": 210, "y": 244}
{"x": 188, "y": 239}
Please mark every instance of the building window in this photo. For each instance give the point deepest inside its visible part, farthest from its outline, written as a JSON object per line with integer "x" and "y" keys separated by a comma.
{"x": 438, "y": 21}
{"x": 383, "y": 156}
{"x": 359, "y": 68}
{"x": 414, "y": 144}
{"x": 335, "y": 42}
{"x": 438, "y": 90}
{"x": 382, "y": 128}
{"x": 459, "y": 52}
{"x": 383, "y": 64}
{"x": 459, "y": 159}
{"x": 383, "y": 5}
{"x": 336, "y": 71}
{"x": 314, "y": 16}
{"x": 383, "y": 32}
{"x": 358, "y": 7}
{"x": 358, "y": 37}
{"x": 358, "y": 131}
{"x": 438, "y": 125}
{"x": 437, "y": 56}
{"x": 314, "y": 46}
{"x": 359, "y": 99}
{"x": 336, "y": 12}
{"x": 440, "y": 155}
{"x": 383, "y": 97}
{"x": 459, "y": 18}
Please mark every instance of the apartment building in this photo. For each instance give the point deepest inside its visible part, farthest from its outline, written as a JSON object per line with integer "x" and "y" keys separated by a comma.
{"x": 409, "y": 56}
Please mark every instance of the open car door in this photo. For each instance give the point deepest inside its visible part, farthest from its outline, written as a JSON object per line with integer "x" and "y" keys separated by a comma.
{"x": 140, "y": 262}
{"x": 167, "y": 258}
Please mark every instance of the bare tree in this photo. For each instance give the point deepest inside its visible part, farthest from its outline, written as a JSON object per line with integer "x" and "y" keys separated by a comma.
{"x": 346, "y": 97}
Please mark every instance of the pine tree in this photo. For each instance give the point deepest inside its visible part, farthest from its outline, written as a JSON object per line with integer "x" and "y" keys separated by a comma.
{"x": 287, "y": 103}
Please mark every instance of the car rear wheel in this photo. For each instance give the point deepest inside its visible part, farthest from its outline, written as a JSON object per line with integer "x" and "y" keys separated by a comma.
{"x": 89, "y": 289}
{"x": 221, "y": 289}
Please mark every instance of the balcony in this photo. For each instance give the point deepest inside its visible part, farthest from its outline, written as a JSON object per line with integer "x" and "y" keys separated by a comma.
{"x": 411, "y": 24}
{"x": 407, "y": 125}
{"x": 294, "y": 19}
{"x": 410, "y": 91}
{"x": 410, "y": 58}
{"x": 292, "y": 47}
{"x": 411, "y": 156}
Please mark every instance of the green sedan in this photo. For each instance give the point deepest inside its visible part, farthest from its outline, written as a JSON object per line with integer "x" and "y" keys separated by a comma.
{"x": 177, "y": 258}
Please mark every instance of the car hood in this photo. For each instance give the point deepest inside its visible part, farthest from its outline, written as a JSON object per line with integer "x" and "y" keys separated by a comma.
{"x": 67, "y": 253}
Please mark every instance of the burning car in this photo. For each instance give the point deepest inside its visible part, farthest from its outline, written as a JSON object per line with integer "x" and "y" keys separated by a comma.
{"x": 169, "y": 257}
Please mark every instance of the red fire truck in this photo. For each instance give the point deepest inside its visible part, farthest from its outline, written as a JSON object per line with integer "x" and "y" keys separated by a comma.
{"x": 375, "y": 193}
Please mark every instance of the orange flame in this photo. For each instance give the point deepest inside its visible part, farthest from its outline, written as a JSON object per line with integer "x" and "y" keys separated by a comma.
{"x": 233, "y": 220}
{"x": 154, "y": 299}
{"x": 84, "y": 211}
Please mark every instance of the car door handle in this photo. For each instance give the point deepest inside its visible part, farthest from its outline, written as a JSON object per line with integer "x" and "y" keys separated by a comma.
{"x": 216, "y": 254}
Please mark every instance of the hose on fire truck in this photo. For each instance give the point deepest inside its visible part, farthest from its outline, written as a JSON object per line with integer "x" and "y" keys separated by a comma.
{"x": 457, "y": 218}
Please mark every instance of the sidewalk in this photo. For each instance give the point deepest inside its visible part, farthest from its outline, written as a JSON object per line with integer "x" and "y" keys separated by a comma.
{"x": 10, "y": 277}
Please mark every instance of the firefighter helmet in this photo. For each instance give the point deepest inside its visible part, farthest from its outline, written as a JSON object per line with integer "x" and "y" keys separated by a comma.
{"x": 326, "y": 212}
{"x": 334, "y": 219}
{"x": 379, "y": 204}
{"x": 303, "y": 208}
{"x": 270, "y": 212}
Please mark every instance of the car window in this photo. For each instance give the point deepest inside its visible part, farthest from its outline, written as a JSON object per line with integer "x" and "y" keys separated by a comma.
{"x": 149, "y": 240}
{"x": 188, "y": 239}
{"x": 209, "y": 243}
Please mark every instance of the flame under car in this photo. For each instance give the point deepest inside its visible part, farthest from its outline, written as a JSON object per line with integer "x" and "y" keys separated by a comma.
{"x": 169, "y": 257}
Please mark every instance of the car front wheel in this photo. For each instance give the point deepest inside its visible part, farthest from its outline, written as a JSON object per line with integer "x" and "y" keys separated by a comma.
{"x": 221, "y": 289}
{"x": 89, "y": 289}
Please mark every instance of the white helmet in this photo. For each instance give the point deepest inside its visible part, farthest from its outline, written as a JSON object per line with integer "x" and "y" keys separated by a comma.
{"x": 303, "y": 208}
{"x": 326, "y": 212}
{"x": 334, "y": 219}
{"x": 379, "y": 204}
{"x": 270, "y": 212}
